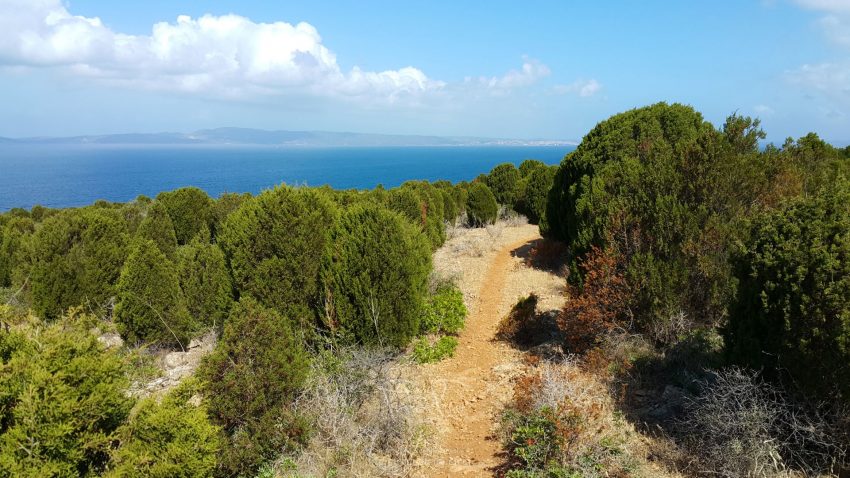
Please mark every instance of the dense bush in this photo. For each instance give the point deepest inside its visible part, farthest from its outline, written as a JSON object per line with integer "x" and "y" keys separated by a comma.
{"x": 444, "y": 312}
{"x": 503, "y": 181}
{"x": 77, "y": 257}
{"x": 431, "y": 211}
{"x": 62, "y": 396}
{"x": 528, "y": 166}
{"x": 191, "y": 211}
{"x": 14, "y": 237}
{"x": 450, "y": 210}
{"x": 157, "y": 226}
{"x": 274, "y": 245}
{"x": 149, "y": 305}
{"x": 665, "y": 189}
{"x": 793, "y": 300}
{"x": 481, "y": 206}
{"x": 536, "y": 193}
{"x": 166, "y": 438}
{"x": 375, "y": 276}
{"x": 226, "y": 204}
{"x": 205, "y": 282}
{"x": 250, "y": 379}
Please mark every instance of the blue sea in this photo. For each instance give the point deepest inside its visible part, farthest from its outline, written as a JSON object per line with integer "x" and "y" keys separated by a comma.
{"x": 77, "y": 175}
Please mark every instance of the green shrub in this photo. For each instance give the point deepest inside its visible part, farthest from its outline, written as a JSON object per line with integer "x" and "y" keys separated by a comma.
{"x": 528, "y": 166}
{"x": 503, "y": 181}
{"x": 376, "y": 275}
{"x": 205, "y": 282}
{"x": 481, "y": 206}
{"x": 426, "y": 352}
{"x": 450, "y": 211}
{"x": 191, "y": 211}
{"x": 274, "y": 244}
{"x": 444, "y": 312}
{"x": 226, "y": 204}
{"x": 157, "y": 226}
{"x": 539, "y": 183}
{"x": 149, "y": 305}
{"x": 62, "y": 396}
{"x": 422, "y": 204}
{"x": 250, "y": 379}
{"x": 166, "y": 438}
{"x": 14, "y": 242}
{"x": 77, "y": 257}
{"x": 535, "y": 442}
{"x": 662, "y": 186}
{"x": 793, "y": 299}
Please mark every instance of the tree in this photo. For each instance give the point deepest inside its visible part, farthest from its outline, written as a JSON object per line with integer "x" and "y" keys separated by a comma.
{"x": 666, "y": 190}
{"x": 62, "y": 396}
{"x": 157, "y": 226}
{"x": 503, "y": 181}
{"x": 481, "y": 207}
{"x": 792, "y": 310}
{"x": 191, "y": 211}
{"x": 14, "y": 237}
{"x": 77, "y": 257}
{"x": 205, "y": 282}
{"x": 539, "y": 183}
{"x": 250, "y": 379}
{"x": 274, "y": 244}
{"x": 149, "y": 305}
{"x": 376, "y": 276}
{"x": 529, "y": 165}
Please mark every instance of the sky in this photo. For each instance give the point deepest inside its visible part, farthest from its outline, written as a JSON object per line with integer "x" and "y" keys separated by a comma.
{"x": 533, "y": 70}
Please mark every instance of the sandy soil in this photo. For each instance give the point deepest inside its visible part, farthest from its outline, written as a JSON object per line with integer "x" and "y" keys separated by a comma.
{"x": 472, "y": 388}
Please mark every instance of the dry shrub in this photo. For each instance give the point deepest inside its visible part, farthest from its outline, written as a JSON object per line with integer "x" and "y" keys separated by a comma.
{"x": 363, "y": 412}
{"x": 600, "y": 306}
{"x": 593, "y": 439}
{"x": 741, "y": 425}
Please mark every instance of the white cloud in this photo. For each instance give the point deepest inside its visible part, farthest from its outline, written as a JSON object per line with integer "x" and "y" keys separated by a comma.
{"x": 825, "y": 5}
{"x": 583, "y": 88}
{"x": 763, "y": 110}
{"x": 218, "y": 55}
{"x": 830, "y": 78}
{"x": 531, "y": 71}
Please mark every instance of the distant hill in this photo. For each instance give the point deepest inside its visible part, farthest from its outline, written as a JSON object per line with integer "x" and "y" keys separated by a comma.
{"x": 248, "y": 136}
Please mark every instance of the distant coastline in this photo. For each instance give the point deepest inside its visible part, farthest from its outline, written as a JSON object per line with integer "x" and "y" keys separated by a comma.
{"x": 282, "y": 138}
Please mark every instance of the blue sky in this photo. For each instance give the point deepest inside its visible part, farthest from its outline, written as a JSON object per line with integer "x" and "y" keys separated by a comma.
{"x": 531, "y": 69}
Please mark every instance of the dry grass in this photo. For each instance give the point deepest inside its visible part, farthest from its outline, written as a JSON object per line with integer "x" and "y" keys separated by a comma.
{"x": 364, "y": 413}
{"x": 600, "y": 441}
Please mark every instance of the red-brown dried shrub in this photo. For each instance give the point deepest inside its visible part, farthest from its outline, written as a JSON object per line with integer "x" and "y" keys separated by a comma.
{"x": 600, "y": 305}
{"x": 548, "y": 254}
{"x": 520, "y": 325}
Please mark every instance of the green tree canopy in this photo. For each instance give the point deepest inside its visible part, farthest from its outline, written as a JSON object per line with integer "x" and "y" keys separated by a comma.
{"x": 793, "y": 304}
{"x": 503, "y": 181}
{"x": 481, "y": 207}
{"x": 191, "y": 211}
{"x": 274, "y": 244}
{"x": 157, "y": 226}
{"x": 77, "y": 257}
{"x": 250, "y": 379}
{"x": 205, "y": 282}
{"x": 150, "y": 306}
{"x": 376, "y": 275}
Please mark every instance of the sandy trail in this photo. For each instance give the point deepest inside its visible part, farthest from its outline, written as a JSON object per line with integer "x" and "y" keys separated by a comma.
{"x": 473, "y": 386}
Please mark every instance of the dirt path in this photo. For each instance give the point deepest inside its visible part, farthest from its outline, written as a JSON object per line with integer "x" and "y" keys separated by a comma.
{"x": 473, "y": 386}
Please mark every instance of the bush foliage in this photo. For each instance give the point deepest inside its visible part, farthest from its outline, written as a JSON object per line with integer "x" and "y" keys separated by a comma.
{"x": 481, "y": 206}
{"x": 444, "y": 312}
{"x": 793, "y": 305}
{"x": 191, "y": 211}
{"x": 274, "y": 245}
{"x": 150, "y": 306}
{"x": 503, "y": 181}
{"x": 62, "y": 396}
{"x": 166, "y": 438}
{"x": 205, "y": 282}
{"x": 157, "y": 226}
{"x": 250, "y": 379}
{"x": 375, "y": 276}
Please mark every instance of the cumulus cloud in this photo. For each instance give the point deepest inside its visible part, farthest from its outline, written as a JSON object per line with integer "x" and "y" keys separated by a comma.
{"x": 583, "y": 88}
{"x": 226, "y": 55}
{"x": 531, "y": 71}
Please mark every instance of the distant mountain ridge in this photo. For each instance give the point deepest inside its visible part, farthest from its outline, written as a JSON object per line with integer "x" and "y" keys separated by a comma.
{"x": 248, "y": 136}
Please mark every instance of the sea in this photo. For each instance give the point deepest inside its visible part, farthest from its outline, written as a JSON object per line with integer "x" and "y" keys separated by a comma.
{"x": 62, "y": 175}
